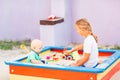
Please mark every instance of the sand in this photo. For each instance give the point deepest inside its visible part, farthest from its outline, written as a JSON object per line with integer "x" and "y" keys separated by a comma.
{"x": 8, "y": 55}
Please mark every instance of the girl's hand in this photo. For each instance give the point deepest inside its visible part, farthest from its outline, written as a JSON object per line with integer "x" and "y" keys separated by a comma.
{"x": 73, "y": 64}
{"x": 67, "y": 52}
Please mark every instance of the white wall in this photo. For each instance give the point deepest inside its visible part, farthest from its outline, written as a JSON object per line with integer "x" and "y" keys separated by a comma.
{"x": 62, "y": 31}
{"x": 103, "y": 16}
{"x": 19, "y": 19}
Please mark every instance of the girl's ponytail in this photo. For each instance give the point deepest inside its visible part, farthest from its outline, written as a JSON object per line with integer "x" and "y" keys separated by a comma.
{"x": 95, "y": 37}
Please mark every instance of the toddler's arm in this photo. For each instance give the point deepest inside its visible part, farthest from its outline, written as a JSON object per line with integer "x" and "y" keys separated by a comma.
{"x": 36, "y": 61}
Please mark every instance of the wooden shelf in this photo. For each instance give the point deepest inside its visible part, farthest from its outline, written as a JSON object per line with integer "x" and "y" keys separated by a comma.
{"x": 52, "y": 21}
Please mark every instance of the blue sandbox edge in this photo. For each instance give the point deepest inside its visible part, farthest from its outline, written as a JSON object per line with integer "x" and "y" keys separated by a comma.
{"x": 99, "y": 69}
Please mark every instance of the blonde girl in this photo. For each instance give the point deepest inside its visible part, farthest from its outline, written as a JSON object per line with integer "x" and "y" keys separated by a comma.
{"x": 89, "y": 47}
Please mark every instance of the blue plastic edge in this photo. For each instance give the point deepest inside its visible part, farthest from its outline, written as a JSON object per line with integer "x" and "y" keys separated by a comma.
{"x": 100, "y": 68}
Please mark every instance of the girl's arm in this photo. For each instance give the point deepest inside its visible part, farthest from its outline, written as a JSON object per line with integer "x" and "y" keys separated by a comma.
{"x": 82, "y": 60}
{"x": 79, "y": 47}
